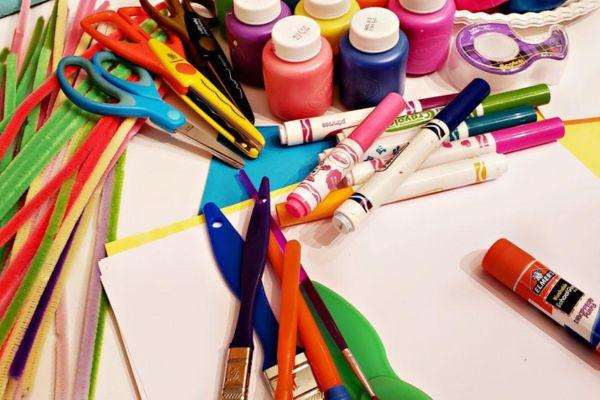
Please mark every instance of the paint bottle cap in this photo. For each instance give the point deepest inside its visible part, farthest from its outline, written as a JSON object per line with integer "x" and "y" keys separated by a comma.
{"x": 423, "y": 6}
{"x": 528, "y": 135}
{"x": 326, "y": 9}
{"x": 505, "y": 261}
{"x": 256, "y": 12}
{"x": 374, "y": 30}
{"x": 296, "y": 38}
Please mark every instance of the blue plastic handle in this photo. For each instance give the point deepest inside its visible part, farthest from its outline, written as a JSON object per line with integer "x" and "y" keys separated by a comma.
{"x": 134, "y": 99}
{"x": 227, "y": 245}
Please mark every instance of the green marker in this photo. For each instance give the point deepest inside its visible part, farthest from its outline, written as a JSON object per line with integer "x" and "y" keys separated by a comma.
{"x": 532, "y": 96}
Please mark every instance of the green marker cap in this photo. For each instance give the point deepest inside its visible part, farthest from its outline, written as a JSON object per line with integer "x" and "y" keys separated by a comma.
{"x": 529, "y": 96}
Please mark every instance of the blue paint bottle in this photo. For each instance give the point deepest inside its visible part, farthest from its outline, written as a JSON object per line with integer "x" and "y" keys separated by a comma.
{"x": 372, "y": 58}
{"x": 523, "y": 6}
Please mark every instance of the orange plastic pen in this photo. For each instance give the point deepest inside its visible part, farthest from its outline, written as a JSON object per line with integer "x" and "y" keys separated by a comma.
{"x": 317, "y": 351}
{"x": 288, "y": 322}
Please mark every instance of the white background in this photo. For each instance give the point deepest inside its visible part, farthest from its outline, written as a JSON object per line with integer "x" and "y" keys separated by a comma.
{"x": 163, "y": 184}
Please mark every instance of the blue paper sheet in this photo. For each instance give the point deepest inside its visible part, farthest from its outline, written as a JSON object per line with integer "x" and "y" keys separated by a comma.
{"x": 8, "y": 7}
{"x": 283, "y": 165}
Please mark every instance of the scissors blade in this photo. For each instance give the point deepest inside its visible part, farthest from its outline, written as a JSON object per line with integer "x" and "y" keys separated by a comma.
{"x": 209, "y": 143}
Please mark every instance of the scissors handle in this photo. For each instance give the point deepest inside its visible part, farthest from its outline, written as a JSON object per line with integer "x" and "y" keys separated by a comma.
{"x": 136, "y": 48}
{"x": 134, "y": 99}
{"x": 210, "y": 58}
{"x": 137, "y": 38}
{"x": 173, "y": 22}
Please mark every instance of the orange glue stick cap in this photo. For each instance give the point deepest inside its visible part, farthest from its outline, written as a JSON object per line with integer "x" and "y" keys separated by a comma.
{"x": 506, "y": 262}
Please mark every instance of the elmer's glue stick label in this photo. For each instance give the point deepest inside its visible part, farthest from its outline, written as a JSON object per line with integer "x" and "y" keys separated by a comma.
{"x": 546, "y": 290}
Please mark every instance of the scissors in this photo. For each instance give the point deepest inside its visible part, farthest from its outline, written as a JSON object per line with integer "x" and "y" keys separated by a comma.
{"x": 202, "y": 47}
{"x": 167, "y": 61}
{"x": 138, "y": 99}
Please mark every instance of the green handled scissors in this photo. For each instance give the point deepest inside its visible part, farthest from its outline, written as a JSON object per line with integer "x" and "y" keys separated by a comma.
{"x": 139, "y": 99}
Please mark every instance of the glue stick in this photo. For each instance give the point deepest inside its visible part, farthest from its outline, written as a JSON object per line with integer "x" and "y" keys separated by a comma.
{"x": 545, "y": 290}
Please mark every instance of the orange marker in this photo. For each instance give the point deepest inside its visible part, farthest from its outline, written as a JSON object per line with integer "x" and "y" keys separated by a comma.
{"x": 323, "y": 210}
{"x": 317, "y": 351}
{"x": 288, "y": 322}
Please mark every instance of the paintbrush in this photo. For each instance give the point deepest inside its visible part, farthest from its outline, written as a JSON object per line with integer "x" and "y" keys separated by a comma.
{"x": 319, "y": 305}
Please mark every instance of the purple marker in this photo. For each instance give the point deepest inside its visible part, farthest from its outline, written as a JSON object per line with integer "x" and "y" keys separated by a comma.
{"x": 249, "y": 25}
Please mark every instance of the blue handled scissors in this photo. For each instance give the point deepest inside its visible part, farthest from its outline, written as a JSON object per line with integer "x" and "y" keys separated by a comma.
{"x": 138, "y": 99}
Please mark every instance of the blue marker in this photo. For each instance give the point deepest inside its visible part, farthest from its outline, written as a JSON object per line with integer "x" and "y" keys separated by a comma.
{"x": 383, "y": 183}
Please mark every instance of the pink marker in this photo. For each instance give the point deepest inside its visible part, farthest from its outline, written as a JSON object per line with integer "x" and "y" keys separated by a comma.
{"x": 326, "y": 176}
{"x": 503, "y": 141}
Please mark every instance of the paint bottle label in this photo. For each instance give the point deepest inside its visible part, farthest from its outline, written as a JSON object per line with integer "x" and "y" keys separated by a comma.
{"x": 561, "y": 301}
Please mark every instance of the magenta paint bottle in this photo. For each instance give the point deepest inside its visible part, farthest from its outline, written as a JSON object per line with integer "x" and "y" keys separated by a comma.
{"x": 298, "y": 69}
{"x": 428, "y": 26}
{"x": 249, "y": 24}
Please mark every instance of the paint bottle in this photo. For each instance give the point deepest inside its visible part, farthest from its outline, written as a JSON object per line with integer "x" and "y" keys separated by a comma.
{"x": 249, "y": 25}
{"x": 428, "y": 25}
{"x": 372, "y": 59}
{"x": 298, "y": 69}
{"x": 333, "y": 16}
{"x": 545, "y": 290}
{"x": 372, "y": 3}
{"x": 523, "y": 6}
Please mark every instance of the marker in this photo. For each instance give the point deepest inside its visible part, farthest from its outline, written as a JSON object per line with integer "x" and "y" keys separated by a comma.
{"x": 470, "y": 127}
{"x": 423, "y": 182}
{"x": 327, "y": 175}
{"x": 309, "y": 130}
{"x": 547, "y": 291}
{"x": 503, "y": 141}
{"x": 383, "y": 184}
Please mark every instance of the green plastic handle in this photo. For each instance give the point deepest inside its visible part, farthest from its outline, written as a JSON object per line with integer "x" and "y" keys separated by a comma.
{"x": 368, "y": 349}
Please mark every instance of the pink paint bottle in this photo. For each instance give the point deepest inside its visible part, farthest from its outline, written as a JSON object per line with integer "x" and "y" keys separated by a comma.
{"x": 327, "y": 175}
{"x": 428, "y": 26}
{"x": 298, "y": 69}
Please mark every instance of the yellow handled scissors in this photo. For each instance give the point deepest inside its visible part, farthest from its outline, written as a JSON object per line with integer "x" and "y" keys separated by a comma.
{"x": 167, "y": 61}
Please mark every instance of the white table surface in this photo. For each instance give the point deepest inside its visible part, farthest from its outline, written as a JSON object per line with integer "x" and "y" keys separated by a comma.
{"x": 164, "y": 183}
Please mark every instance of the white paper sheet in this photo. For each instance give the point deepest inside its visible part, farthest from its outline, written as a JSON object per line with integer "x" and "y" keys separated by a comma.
{"x": 413, "y": 270}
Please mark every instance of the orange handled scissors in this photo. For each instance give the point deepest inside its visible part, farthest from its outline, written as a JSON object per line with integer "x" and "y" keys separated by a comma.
{"x": 167, "y": 61}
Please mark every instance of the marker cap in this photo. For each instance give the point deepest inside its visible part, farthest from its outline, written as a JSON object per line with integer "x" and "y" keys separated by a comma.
{"x": 296, "y": 38}
{"x": 256, "y": 12}
{"x": 326, "y": 9}
{"x": 423, "y": 6}
{"x": 529, "y": 135}
{"x": 378, "y": 120}
{"x": 500, "y": 120}
{"x": 536, "y": 95}
{"x": 464, "y": 103}
{"x": 374, "y": 30}
{"x": 505, "y": 261}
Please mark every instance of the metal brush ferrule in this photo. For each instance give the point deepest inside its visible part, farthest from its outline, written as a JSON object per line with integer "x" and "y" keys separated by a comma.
{"x": 353, "y": 363}
{"x": 305, "y": 384}
{"x": 237, "y": 374}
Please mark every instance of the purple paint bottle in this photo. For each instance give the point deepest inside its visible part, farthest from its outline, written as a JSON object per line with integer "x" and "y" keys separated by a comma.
{"x": 249, "y": 25}
{"x": 428, "y": 25}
